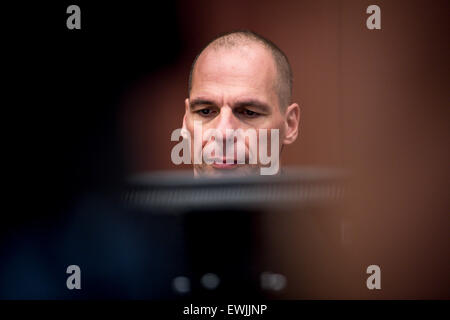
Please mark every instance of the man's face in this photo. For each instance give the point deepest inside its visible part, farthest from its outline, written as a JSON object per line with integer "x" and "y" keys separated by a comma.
{"x": 233, "y": 88}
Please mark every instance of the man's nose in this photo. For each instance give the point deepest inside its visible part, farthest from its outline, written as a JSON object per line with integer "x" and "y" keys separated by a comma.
{"x": 226, "y": 120}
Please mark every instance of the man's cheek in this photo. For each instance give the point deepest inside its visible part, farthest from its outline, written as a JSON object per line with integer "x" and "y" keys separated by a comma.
{"x": 189, "y": 127}
{"x": 189, "y": 123}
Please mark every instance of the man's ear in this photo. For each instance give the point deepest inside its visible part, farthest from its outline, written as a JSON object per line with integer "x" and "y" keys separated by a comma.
{"x": 292, "y": 121}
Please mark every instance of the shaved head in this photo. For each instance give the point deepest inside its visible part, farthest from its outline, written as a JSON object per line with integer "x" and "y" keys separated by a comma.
{"x": 244, "y": 38}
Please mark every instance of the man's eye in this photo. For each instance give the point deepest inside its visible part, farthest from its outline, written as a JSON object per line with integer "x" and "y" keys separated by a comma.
{"x": 205, "y": 112}
{"x": 249, "y": 113}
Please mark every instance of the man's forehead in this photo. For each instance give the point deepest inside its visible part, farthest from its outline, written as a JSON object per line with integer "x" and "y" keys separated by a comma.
{"x": 248, "y": 65}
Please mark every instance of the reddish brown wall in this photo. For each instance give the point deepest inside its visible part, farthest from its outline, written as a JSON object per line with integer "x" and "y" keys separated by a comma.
{"x": 372, "y": 101}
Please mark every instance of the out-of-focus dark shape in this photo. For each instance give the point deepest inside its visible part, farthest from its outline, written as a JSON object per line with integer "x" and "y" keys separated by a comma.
{"x": 236, "y": 229}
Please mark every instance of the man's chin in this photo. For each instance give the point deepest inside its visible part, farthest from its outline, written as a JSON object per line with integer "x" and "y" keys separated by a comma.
{"x": 225, "y": 170}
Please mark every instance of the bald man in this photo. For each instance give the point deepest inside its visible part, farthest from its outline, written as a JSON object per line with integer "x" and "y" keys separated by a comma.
{"x": 240, "y": 80}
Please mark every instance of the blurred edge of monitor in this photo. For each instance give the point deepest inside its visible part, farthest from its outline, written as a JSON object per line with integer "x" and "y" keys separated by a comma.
{"x": 179, "y": 190}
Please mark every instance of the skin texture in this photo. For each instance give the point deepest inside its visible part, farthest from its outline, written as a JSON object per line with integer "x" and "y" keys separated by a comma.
{"x": 235, "y": 88}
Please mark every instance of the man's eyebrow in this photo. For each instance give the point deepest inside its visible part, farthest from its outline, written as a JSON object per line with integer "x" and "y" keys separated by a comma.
{"x": 253, "y": 103}
{"x": 200, "y": 101}
{"x": 239, "y": 104}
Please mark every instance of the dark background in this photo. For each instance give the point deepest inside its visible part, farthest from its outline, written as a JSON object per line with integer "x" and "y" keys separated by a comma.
{"x": 64, "y": 164}
{"x": 66, "y": 89}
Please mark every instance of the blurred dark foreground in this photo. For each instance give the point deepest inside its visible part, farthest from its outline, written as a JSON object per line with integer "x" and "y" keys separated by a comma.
{"x": 168, "y": 236}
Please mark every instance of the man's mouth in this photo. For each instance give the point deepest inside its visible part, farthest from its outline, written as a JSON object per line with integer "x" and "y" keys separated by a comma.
{"x": 224, "y": 163}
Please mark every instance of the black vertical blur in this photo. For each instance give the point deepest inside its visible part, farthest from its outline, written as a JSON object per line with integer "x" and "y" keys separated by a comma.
{"x": 65, "y": 87}
{"x": 62, "y": 158}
